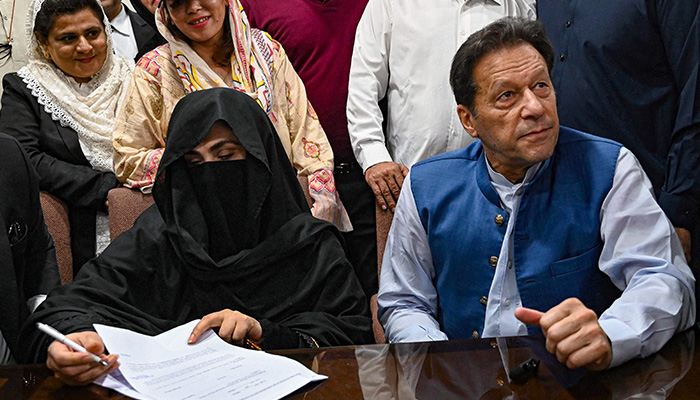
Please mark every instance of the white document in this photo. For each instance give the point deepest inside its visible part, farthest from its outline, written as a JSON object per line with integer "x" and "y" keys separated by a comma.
{"x": 116, "y": 381}
{"x": 165, "y": 367}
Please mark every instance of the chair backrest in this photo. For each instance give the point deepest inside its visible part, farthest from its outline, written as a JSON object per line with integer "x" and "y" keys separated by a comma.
{"x": 56, "y": 218}
{"x": 125, "y": 205}
{"x": 384, "y": 219}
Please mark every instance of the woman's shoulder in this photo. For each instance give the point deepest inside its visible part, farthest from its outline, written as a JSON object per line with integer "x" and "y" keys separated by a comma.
{"x": 265, "y": 41}
{"x": 146, "y": 239}
{"x": 16, "y": 93}
{"x": 278, "y": 61}
{"x": 12, "y": 77}
{"x": 13, "y": 80}
{"x": 155, "y": 60}
{"x": 14, "y": 173}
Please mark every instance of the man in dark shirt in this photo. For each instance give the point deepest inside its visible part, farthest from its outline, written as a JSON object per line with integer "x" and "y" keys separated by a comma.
{"x": 629, "y": 71}
{"x": 318, "y": 37}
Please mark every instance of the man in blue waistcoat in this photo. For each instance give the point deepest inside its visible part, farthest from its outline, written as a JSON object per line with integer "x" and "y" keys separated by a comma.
{"x": 531, "y": 215}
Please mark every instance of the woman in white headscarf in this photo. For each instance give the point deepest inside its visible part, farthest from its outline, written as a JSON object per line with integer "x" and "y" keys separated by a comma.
{"x": 62, "y": 106}
{"x": 211, "y": 45}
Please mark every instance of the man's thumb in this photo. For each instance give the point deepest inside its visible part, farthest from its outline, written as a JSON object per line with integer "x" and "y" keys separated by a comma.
{"x": 528, "y": 316}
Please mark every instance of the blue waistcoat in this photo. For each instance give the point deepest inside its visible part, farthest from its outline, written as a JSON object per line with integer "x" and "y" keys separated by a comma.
{"x": 556, "y": 238}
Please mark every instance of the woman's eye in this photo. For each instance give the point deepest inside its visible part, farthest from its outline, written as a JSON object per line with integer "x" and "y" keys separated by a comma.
{"x": 192, "y": 161}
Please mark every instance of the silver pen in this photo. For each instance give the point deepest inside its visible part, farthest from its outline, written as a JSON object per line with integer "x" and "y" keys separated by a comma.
{"x": 63, "y": 339}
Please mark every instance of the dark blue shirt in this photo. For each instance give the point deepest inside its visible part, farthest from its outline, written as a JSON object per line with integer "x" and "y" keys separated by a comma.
{"x": 628, "y": 70}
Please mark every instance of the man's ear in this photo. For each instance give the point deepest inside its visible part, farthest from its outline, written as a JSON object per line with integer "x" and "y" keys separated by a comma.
{"x": 467, "y": 119}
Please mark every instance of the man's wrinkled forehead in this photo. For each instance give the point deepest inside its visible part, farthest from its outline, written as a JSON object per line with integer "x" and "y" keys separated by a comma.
{"x": 497, "y": 69}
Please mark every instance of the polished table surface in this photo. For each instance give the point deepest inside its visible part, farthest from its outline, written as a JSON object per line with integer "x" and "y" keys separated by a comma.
{"x": 459, "y": 369}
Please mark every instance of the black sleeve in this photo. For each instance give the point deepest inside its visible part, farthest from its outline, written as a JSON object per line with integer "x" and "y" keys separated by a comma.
{"x": 78, "y": 185}
{"x": 34, "y": 256}
{"x": 336, "y": 311}
{"x": 27, "y": 256}
{"x": 41, "y": 268}
{"x": 277, "y": 336}
{"x": 680, "y": 31}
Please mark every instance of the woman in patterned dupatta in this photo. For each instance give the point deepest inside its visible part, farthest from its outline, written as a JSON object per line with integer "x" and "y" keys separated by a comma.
{"x": 211, "y": 45}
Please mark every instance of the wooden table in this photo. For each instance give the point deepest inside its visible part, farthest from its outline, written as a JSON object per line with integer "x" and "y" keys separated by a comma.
{"x": 459, "y": 369}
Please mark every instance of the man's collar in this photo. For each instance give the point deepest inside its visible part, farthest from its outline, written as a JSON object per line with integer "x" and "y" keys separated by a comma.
{"x": 501, "y": 180}
{"x": 486, "y": 1}
{"x": 120, "y": 22}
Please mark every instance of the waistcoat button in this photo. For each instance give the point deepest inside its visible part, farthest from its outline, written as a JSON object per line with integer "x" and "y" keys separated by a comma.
{"x": 499, "y": 220}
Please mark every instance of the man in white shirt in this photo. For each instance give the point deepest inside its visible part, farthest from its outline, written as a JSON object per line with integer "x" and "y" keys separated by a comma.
{"x": 531, "y": 215}
{"x": 132, "y": 36}
{"x": 403, "y": 50}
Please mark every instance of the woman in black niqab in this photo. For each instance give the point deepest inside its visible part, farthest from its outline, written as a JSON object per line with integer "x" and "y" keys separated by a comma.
{"x": 232, "y": 235}
{"x": 195, "y": 201}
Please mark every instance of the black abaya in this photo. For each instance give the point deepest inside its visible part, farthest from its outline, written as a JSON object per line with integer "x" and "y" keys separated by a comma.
{"x": 291, "y": 274}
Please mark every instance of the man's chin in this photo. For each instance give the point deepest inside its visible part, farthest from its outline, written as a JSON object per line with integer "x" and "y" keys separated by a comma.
{"x": 541, "y": 153}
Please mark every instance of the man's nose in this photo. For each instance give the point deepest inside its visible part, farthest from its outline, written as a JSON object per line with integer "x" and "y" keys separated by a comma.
{"x": 533, "y": 107}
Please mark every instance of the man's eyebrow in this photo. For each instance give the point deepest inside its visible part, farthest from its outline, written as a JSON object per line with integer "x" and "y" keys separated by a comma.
{"x": 498, "y": 85}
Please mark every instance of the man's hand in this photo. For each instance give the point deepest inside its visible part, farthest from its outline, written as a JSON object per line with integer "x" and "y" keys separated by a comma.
{"x": 386, "y": 180}
{"x": 573, "y": 334}
{"x": 233, "y": 326}
{"x": 75, "y": 368}
{"x": 684, "y": 236}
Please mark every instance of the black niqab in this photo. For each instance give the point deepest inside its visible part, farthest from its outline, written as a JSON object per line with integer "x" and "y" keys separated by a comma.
{"x": 224, "y": 206}
{"x": 270, "y": 178}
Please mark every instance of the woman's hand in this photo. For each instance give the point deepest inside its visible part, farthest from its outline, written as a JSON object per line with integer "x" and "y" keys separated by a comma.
{"x": 76, "y": 368}
{"x": 233, "y": 326}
